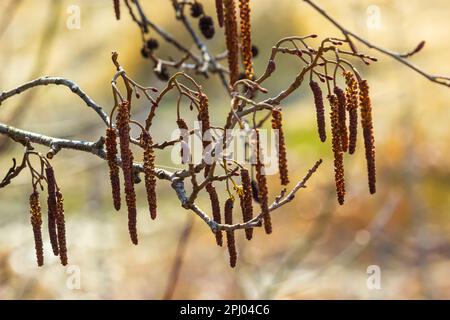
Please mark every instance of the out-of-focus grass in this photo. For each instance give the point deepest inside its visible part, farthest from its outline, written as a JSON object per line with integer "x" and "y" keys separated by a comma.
{"x": 412, "y": 138}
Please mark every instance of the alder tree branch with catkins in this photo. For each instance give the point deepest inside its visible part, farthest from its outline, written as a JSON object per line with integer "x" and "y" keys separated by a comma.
{"x": 327, "y": 66}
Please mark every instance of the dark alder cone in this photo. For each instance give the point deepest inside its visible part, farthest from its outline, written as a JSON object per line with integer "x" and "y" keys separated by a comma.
{"x": 342, "y": 118}
{"x": 255, "y": 51}
{"x": 231, "y": 242}
{"x": 246, "y": 37}
{"x": 337, "y": 151}
{"x": 367, "y": 125}
{"x": 351, "y": 94}
{"x": 144, "y": 52}
{"x": 36, "y": 223}
{"x": 231, "y": 36}
{"x": 206, "y": 25}
{"x": 149, "y": 172}
{"x": 246, "y": 201}
{"x": 183, "y": 137}
{"x": 262, "y": 187}
{"x": 219, "y": 12}
{"x": 215, "y": 207}
{"x": 282, "y": 158}
{"x": 152, "y": 44}
{"x": 117, "y": 8}
{"x": 163, "y": 73}
{"x": 52, "y": 209}
{"x": 111, "y": 155}
{"x": 196, "y": 10}
{"x": 320, "y": 110}
{"x": 123, "y": 125}
{"x": 61, "y": 229}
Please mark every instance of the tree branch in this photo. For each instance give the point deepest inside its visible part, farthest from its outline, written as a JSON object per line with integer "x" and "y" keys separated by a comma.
{"x": 442, "y": 80}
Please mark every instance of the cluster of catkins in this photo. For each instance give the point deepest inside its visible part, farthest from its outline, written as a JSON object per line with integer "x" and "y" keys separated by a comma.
{"x": 122, "y": 130}
{"x": 56, "y": 221}
{"x": 355, "y": 96}
{"x": 227, "y": 16}
{"x": 250, "y": 190}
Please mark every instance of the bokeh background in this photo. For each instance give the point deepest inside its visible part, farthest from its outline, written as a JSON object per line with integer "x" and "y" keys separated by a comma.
{"x": 318, "y": 249}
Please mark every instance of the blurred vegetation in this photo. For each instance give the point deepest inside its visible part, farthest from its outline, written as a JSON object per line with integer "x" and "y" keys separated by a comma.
{"x": 318, "y": 249}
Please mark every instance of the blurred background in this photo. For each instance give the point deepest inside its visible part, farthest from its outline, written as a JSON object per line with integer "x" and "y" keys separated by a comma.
{"x": 318, "y": 249}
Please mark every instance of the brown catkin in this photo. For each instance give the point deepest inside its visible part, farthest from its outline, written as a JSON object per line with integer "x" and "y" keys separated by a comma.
{"x": 337, "y": 151}
{"x": 367, "y": 125}
{"x": 111, "y": 155}
{"x": 246, "y": 201}
{"x": 203, "y": 117}
{"x": 342, "y": 118}
{"x": 246, "y": 37}
{"x": 52, "y": 209}
{"x": 277, "y": 119}
{"x": 320, "y": 110}
{"x": 215, "y": 207}
{"x": 231, "y": 242}
{"x": 123, "y": 125}
{"x": 61, "y": 229}
{"x": 351, "y": 95}
{"x": 231, "y": 36}
{"x": 262, "y": 187}
{"x": 117, "y": 8}
{"x": 149, "y": 172}
{"x": 219, "y": 12}
{"x": 36, "y": 223}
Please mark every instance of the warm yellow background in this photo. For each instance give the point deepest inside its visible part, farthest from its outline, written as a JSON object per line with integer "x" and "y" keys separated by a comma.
{"x": 317, "y": 250}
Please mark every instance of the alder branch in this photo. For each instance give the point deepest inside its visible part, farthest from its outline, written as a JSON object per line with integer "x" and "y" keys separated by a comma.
{"x": 442, "y": 80}
{"x": 43, "y": 81}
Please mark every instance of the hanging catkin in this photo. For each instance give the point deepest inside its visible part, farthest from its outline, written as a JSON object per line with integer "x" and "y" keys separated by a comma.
{"x": 111, "y": 155}
{"x": 247, "y": 206}
{"x": 262, "y": 186}
{"x": 52, "y": 209}
{"x": 231, "y": 242}
{"x": 246, "y": 37}
{"x": 61, "y": 224}
{"x": 36, "y": 223}
{"x": 215, "y": 207}
{"x": 367, "y": 125}
{"x": 123, "y": 125}
{"x": 231, "y": 36}
{"x": 320, "y": 110}
{"x": 351, "y": 94}
{"x": 281, "y": 146}
{"x": 342, "y": 118}
{"x": 219, "y": 11}
{"x": 337, "y": 151}
{"x": 149, "y": 172}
